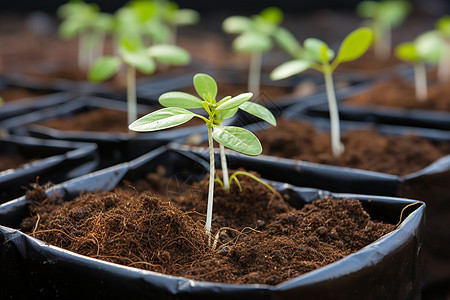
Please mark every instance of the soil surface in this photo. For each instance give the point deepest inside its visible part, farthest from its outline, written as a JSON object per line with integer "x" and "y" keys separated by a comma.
{"x": 398, "y": 93}
{"x": 369, "y": 63}
{"x": 364, "y": 149}
{"x": 11, "y": 161}
{"x": 99, "y": 119}
{"x": 261, "y": 240}
{"x": 17, "y": 93}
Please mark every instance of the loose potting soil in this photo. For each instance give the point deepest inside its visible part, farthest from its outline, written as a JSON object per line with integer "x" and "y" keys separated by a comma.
{"x": 11, "y": 161}
{"x": 398, "y": 93}
{"x": 261, "y": 239}
{"x": 364, "y": 149}
{"x": 98, "y": 119}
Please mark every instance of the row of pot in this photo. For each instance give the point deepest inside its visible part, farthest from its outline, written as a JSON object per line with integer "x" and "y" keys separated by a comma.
{"x": 396, "y": 254}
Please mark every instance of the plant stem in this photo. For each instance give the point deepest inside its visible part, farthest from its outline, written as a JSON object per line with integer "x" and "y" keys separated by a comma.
{"x": 383, "y": 44}
{"x": 444, "y": 64}
{"x": 254, "y": 73}
{"x": 420, "y": 78}
{"x": 336, "y": 145}
{"x": 223, "y": 162}
{"x": 209, "y": 209}
{"x": 131, "y": 94}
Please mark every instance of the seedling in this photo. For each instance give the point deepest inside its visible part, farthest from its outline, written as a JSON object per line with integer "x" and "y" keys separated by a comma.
{"x": 383, "y": 16}
{"x": 255, "y": 38}
{"x": 317, "y": 55}
{"x": 157, "y": 21}
{"x": 136, "y": 56}
{"x": 90, "y": 25}
{"x": 426, "y": 48}
{"x": 170, "y": 13}
{"x": 177, "y": 113}
{"x": 443, "y": 28}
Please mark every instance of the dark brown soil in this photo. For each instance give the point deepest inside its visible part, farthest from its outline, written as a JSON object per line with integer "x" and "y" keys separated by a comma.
{"x": 11, "y": 161}
{"x": 140, "y": 230}
{"x": 369, "y": 63}
{"x": 99, "y": 119}
{"x": 16, "y": 93}
{"x": 398, "y": 93}
{"x": 364, "y": 149}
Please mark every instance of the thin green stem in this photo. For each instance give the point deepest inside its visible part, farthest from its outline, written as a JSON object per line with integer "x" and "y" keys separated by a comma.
{"x": 336, "y": 145}
{"x": 209, "y": 209}
{"x": 131, "y": 94}
{"x": 383, "y": 44}
{"x": 420, "y": 80}
{"x": 223, "y": 162}
{"x": 444, "y": 64}
{"x": 254, "y": 73}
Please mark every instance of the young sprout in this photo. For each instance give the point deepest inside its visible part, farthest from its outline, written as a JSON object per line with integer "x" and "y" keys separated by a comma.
{"x": 443, "y": 28}
{"x": 157, "y": 21}
{"x": 177, "y": 113}
{"x": 383, "y": 16}
{"x": 317, "y": 55}
{"x": 136, "y": 56}
{"x": 90, "y": 25}
{"x": 426, "y": 48}
{"x": 171, "y": 14}
{"x": 255, "y": 38}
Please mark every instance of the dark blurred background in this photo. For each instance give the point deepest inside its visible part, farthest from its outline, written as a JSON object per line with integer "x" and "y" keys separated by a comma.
{"x": 232, "y": 6}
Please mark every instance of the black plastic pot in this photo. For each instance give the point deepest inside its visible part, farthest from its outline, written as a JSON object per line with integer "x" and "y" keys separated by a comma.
{"x": 113, "y": 147}
{"x": 16, "y": 108}
{"x": 387, "y": 268}
{"x": 56, "y": 161}
{"x": 429, "y": 184}
{"x": 102, "y": 89}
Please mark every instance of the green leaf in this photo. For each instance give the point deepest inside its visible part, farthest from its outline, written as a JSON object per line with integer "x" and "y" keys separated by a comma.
{"x": 144, "y": 10}
{"x": 169, "y": 54}
{"x": 186, "y": 16}
{"x": 392, "y": 13}
{"x": 288, "y": 42}
{"x": 367, "y": 9}
{"x": 407, "y": 52}
{"x": 443, "y": 25}
{"x": 259, "y": 111}
{"x": 252, "y": 42}
{"x": 205, "y": 86}
{"x": 162, "y": 119}
{"x": 180, "y": 99}
{"x": 290, "y": 68}
{"x": 140, "y": 61}
{"x": 70, "y": 28}
{"x": 233, "y": 102}
{"x": 228, "y": 113}
{"x": 313, "y": 48}
{"x": 272, "y": 15}
{"x": 236, "y": 24}
{"x": 104, "y": 22}
{"x": 355, "y": 45}
{"x": 237, "y": 139}
{"x": 429, "y": 47}
{"x": 104, "y": 68}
